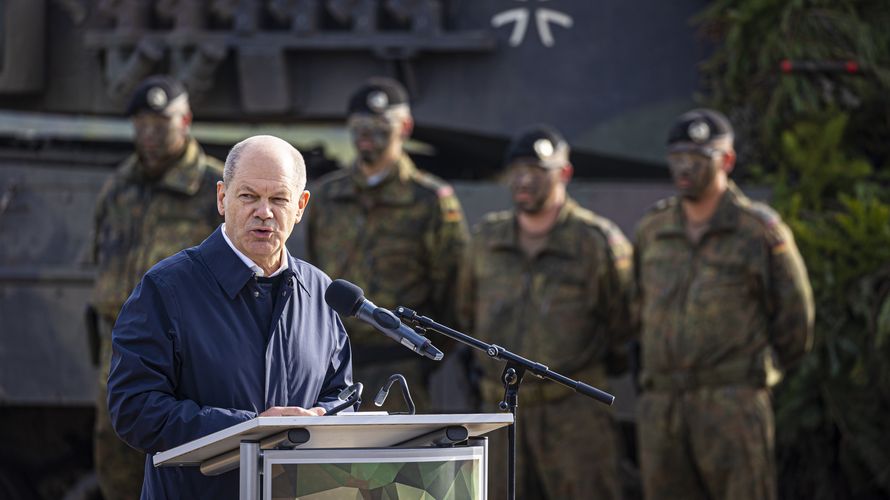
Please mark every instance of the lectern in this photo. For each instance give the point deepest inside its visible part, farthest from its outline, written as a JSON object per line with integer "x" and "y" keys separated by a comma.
{"x": 349, "y": 456}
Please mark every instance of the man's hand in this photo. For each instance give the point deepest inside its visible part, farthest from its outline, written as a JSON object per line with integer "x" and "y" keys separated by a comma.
{"x": 293, "y": 411}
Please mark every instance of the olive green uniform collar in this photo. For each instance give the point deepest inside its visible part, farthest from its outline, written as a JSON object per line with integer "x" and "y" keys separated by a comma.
{"x": 559, "y": 241}
{"x": 183, "y": 176}
{"x": 394, "y": 189}
{"x": 725, "y": 218}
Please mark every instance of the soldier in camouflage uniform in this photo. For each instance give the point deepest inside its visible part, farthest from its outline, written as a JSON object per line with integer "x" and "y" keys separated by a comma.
{"x": 724, "y": 304}
{"x": 159, "y": 201}
{"x": 391, "y": 229}
{"x": 549, "y": 280}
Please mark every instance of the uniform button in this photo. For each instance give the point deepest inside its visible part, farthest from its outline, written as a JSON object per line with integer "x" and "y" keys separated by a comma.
{"x": 256, "y": 293}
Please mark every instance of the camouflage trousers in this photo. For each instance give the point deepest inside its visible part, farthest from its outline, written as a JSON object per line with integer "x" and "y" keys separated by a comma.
{"x": 565, "y": 450}
{"x": 710, "y": 443}
{"x": 119, "y": 468}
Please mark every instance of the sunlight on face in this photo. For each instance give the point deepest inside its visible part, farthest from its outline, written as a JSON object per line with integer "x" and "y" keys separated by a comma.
{"x": 262, "y": 202}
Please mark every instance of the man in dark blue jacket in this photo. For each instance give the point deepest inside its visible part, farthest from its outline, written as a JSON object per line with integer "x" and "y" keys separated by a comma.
{"x": 229, "y": 330}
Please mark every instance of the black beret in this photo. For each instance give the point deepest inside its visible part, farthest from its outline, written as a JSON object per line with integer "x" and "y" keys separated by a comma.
{"x": 155, "y": 94}
{"x": 698, "y": 127}
{"x": 377, "y": 96}
{"x": 541, "y": 144}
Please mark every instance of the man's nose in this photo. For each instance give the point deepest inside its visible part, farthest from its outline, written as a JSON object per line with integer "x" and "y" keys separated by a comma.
{"x": 264, "y": 210}
{"x": 523, "y": 179}
{"x": 365, "y": 135}
{"x": 682, "y": 167}
{"x": 150, "y": 130}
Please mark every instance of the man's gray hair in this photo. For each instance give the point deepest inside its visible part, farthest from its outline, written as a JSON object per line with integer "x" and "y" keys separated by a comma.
{"x": 235, "y": 155}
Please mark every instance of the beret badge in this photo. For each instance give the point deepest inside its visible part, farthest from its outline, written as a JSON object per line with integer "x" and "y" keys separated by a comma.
{"x": 156, "y": 97}
{"x": 699, "y": 131}
{"x": 378, "y": 101}
{"x": 544, "y": 148}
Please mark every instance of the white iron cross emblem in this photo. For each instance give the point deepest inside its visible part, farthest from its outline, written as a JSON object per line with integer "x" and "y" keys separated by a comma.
{"x": 543, "y": 19}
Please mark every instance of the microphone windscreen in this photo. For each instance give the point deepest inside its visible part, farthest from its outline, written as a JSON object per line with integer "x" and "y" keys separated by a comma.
{"x": 344, "y": 297}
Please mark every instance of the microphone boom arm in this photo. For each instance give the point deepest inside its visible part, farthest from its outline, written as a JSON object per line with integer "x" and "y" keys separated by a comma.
{"x": 498, "y": 352}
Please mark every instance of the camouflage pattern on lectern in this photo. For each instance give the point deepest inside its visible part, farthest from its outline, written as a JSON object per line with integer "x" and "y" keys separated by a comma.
{"x": 400, "y": 241}
{"x": 566, "y": 308}
{"x": 718, "y": 320}
{"x": 138, "y": 223}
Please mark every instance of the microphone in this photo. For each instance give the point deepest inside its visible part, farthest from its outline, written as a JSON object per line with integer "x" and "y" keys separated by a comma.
{"x": 350, "y": 396}
{"x": 406, "y": 394}
{"x": 349, "y": 300}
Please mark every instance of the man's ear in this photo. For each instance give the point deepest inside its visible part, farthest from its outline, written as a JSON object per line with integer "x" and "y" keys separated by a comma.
{"x": 729, "y": 158}
{"x": 407, "y": 127}
{"x": 302, "y": 202}
{"x": 220, "y": 198}
{"x": 566, "y": 173}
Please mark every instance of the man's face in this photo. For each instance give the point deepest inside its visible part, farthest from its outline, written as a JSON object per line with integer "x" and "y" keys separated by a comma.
{"x": 372, "y": 135}
{"x": 531, "y": 185}
{"x": 694, "y": 171}
{"x": 262, "y": 202}
{"x": 159, "y": 139}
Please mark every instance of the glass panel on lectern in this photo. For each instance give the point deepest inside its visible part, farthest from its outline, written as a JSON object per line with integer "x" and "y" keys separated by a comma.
{"x": 385, "y": 474}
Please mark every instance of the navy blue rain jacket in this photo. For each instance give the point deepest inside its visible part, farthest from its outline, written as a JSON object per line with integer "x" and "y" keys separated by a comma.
{"x": 189, "y": 359}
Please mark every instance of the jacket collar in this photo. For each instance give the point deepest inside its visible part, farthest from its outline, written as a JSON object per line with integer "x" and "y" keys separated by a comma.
{"x": 183, "y": 176}
{"x": 725, "y": 218}
{"x": 558, "y": 241}
{"x": 230, "y": 272}
{"x": 395, "y": 189}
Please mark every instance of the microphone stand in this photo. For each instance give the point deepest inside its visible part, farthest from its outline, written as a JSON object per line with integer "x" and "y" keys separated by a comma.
{"x": 511, "y": 377}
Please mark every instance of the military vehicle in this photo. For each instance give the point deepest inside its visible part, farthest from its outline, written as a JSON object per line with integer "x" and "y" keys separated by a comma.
{"x": 610, "y": 75}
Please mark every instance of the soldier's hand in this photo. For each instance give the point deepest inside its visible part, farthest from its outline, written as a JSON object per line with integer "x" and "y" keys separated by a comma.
{"x": 293, "y": 411}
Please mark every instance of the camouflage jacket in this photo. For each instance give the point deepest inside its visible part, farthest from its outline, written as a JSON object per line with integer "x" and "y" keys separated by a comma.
{"x": 566, "y": 308}
{"x": 400, "y": 241}
{"x": 721, "y": 311}
{"x": 138, "y": 223}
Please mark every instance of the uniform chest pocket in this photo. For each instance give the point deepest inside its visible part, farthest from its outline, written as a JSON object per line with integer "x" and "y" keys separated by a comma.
{"x": 396, "y": 258}
{"x": 174, "y": 207}
{"x": 500, "y": 280}
{"x": 164, "y": 236}
{"x": 661, "y": 273}
{"x": 398, "y": 225}
{"x": 720, "y": 279}
{"x": 564, "y": 284}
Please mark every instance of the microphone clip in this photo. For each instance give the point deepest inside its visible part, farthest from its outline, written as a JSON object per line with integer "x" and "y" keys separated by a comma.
{"x": 406, "y": 394}
{"x": 408, "y": 316}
